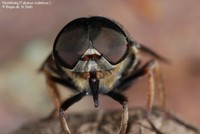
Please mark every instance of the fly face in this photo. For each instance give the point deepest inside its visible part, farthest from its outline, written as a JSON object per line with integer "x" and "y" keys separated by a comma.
{"x": 91, "y": 45}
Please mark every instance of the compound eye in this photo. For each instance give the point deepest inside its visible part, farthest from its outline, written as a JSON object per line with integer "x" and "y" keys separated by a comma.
{"x": 112, "y": 44}
{"x": 70, "y": 45}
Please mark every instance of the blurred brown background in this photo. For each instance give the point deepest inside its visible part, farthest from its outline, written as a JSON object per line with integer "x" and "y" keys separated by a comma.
{"x": 171, "y": 28}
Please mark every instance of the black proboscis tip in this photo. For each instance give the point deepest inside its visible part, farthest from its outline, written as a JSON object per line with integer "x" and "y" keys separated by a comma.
{"x": 94, "y": 87}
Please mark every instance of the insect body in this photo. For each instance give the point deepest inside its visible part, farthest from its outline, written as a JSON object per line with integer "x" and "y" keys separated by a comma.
{"x": 95, "y": 56}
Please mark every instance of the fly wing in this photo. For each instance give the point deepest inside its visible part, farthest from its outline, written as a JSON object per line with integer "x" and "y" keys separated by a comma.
{"x": 150, "y": 52}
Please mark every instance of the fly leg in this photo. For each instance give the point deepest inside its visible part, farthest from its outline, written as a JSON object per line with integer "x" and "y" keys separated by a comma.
{"x": 65, "y": 106}
{"x": 51, "y": 85}
{"x": 155, "y": 83}
{"x": 54, "y": 95}
{"x": 123, "y": 101}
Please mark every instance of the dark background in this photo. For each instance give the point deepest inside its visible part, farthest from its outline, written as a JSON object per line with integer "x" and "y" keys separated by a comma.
{"x": 171, "y": 28}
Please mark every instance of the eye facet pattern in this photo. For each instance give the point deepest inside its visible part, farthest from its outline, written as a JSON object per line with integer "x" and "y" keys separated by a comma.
{"x": 97, "y": 32}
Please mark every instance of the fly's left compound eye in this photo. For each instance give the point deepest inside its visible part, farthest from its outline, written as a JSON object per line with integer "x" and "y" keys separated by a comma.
{"x": 71, "y": 43}
{"x": 112, "y": 44}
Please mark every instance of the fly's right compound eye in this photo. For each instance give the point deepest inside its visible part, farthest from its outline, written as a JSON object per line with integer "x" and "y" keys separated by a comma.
{"x": 71, "y": 43}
